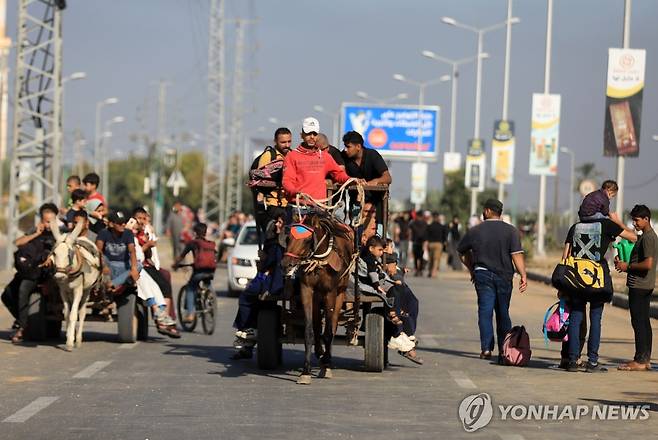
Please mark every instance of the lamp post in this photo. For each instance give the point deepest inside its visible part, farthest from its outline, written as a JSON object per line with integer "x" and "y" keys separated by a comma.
{"x": 334, "y": 118}
{"x": 381, "y": 101}
{"x": 572, "y": 179}
{"x": 421, "y": 101}
{"x": 478, "y": 82}
{"x": 97, "y": 138}
{"x": 453, "y": 94}
{"x": 105, "y": 177}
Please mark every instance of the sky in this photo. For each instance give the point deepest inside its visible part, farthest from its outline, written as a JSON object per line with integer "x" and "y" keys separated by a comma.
{"x": 311, "y": 52}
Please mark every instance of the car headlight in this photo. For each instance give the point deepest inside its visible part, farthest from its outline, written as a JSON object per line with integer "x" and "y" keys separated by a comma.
{"x": 241, "y": 262}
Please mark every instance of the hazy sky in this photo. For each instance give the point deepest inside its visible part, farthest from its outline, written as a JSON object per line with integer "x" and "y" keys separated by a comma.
{"x": 311, "y": 52}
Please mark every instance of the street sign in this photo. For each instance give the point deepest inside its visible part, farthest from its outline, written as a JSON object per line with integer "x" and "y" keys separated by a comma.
{"x": 393, "y": 130}
{"x": 418, "y": 183}
{"x": 176, "y": 181}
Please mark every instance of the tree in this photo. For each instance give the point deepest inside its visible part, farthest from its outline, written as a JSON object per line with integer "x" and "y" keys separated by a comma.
{"x": 587, "y": 171}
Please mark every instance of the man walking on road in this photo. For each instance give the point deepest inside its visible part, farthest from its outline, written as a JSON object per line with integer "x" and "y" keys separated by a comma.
{"x": 437, "y": 235}
{"x": 492, "y": 251}
{"x": 174, "y": 228}
{"x": 641, "y": 281}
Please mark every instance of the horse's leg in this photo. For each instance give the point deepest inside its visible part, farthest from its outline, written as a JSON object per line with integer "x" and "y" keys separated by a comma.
{"x": 317, "y": 327}
{"x": 81, "y": 317}
{"x": 307, "y": 303}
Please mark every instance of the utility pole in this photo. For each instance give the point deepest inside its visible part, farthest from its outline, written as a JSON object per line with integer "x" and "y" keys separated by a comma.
{"x": 157, "y": 191}
{"x": 626, "y": 41}
{"x": 236, "y": 166}
{"x": 5, "y": 44}
{"x": 508, "y": 49}
{"x": 37, "y": 113}
{"x": 213, "y": 197}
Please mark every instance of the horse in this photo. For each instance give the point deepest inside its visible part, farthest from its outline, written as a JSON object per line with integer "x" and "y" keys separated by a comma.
{"x": 77, "y": 271}
{"x": 320, "y": 249}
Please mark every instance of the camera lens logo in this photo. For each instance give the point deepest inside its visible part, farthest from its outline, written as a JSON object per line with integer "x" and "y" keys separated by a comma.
{"x": 475, "y": 411}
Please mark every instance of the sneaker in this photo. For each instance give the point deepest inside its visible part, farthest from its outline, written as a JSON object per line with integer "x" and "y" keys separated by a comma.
{"x": 572, "y": 367}
{"x": 485, "y": 355}
{"x": 595, "y": 368}
{"x": 250, "y": 334}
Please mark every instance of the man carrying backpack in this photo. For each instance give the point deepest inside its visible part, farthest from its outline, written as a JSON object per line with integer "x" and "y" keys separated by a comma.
{"x": 266, "y": 180}
{"x": 589, "y": 240}
{"x": 204, "y": 266}
{"x": 32, "y": 253}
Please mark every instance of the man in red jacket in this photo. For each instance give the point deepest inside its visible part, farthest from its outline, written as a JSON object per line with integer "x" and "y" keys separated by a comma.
{"x": 306, "y": 168}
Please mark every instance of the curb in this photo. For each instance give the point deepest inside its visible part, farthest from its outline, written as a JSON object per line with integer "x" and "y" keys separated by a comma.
{"x": 619, "y": 299}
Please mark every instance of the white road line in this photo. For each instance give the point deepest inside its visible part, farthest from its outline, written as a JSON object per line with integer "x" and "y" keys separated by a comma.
{"x": 462, "y": 380}
{"x": 511, "y": 437}
{"x": 129, "y": 346}
{"x": 92, "y": 369}
{"x": 25, "y": 413}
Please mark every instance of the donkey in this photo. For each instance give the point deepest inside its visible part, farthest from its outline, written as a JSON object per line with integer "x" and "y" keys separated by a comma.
{"x": 320, "y": 250}
{"x": 77, "y": 271}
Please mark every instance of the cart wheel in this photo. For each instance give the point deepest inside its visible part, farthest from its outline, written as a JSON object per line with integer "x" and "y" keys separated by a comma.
{"x": 36, "y": 318}
{"x": 187, "y": 326}
{"x": 127, "y": 318}
{"x": 142, "y": 313}
{"x": 268, "y": 348}
{"x": 374, "y": 343}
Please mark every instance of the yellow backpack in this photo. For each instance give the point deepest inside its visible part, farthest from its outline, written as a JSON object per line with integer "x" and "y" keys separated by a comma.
{"x": 582, "y": 276}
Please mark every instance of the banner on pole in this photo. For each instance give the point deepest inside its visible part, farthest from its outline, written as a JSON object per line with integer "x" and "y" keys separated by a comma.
{"x": 475, "y": 165}
{"x": 418, "y": 183}
{"x": 452, "y": 162}
{"x": 502, "y": 152}
{"x": 544, "y": 137}
{"x": 623, "y": 102}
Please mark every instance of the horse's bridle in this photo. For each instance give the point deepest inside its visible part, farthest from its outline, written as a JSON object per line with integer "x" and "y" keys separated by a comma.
{"x": 312, "y": 254}
{"x": 74, "y": 252}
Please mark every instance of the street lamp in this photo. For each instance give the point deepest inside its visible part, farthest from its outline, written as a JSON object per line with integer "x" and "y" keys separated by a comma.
{"x": 334, "y": 118}
{"x": 453, "y": 98}
{"x": 478, "y": 84}
{"x": 97, "y": 139}
{"x": 105, "y": 174}
{"x": 572, "y": 179}
{"x": 74, "y": 76}
{"x": 382, "y": 101}
{"x": 421, "y": 100}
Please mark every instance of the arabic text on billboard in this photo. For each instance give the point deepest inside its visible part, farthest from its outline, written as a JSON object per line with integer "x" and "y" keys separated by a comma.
{"x": 393, "y": 131}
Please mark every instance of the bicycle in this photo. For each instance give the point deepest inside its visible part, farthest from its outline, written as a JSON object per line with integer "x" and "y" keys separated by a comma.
{"x": 205, "y": 303}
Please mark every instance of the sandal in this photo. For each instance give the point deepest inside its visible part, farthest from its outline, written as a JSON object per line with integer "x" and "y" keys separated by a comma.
{"x": 412, "y": 355}
{"x": 633, "y": 366}
{"x": 17, "y": 337}
{"x": 168, "y": 330}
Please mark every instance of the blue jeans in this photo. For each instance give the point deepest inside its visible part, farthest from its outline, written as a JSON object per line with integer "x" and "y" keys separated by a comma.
{"x": 494, "y": 294}
{"x": 120, "y": 271}
{"x": 594, "y": 339}
{"x": 190, "y": 290}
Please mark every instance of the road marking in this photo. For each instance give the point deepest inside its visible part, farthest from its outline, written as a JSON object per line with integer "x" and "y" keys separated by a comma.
{"x": 462, "y": 380}
{"x": 92, "y": 369}
{"x": 129, "y": 346}
{"x": 511, "y": 437}
{"x": 25, "y": 413}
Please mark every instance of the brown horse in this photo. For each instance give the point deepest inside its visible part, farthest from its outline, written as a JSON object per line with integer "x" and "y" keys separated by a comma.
{"x": 320, "y": 250}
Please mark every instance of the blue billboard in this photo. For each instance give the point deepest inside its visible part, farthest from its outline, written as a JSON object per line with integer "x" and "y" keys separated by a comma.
{"x": 394, "y": 130}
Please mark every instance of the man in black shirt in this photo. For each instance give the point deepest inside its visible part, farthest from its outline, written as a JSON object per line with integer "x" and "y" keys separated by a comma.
{"x": 492, "y": 251}
{"x": 323, "y": 145}
{"x": 418, "y": 228}
{"x": 367, "y": 164}
{"x": 437, "y": 235}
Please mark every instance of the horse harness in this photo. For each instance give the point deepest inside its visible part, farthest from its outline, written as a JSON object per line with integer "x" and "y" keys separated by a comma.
{"x": 315, "y": 260}
{"x": 77, "y": 250}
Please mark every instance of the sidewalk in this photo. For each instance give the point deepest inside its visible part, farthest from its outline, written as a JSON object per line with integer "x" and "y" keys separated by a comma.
{"x": 541, "y": 269}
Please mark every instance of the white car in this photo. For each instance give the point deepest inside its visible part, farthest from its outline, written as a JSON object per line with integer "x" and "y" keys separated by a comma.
{"x": 242, "y": 258}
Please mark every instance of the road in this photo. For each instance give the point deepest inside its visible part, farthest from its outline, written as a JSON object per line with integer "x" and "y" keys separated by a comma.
{"x": 189, "y": 388}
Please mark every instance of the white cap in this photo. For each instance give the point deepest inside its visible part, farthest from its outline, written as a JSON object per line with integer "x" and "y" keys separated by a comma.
{"x": 310, "y": 124}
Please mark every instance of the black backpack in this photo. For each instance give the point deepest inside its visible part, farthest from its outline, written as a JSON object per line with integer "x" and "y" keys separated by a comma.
{"x": 28, "y": 258}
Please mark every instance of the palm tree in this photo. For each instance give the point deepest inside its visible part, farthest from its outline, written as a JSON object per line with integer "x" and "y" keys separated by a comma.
{"x": 587, "y": 171}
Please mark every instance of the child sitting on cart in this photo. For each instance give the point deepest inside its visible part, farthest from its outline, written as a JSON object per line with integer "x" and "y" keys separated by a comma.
{"x": 373, "y": 280}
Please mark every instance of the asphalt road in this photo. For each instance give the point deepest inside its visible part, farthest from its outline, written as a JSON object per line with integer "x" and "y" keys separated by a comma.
{"x": 189, "y": 388}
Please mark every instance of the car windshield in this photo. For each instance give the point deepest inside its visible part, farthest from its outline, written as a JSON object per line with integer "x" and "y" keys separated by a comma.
{"x": 249, "y": 235}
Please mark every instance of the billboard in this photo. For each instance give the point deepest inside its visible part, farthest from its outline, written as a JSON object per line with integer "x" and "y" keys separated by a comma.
{"x": 394, "y": 130}
{"x": 502, "y": 152}
{"x": 623, "y": 102}
{"x": 476, "y": 162}
{"x": 544, "y": 137}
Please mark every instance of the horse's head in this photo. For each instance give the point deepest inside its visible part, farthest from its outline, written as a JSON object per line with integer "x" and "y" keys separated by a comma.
{"x": 302, "y": 238}
{"x": 64, "y": 254}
